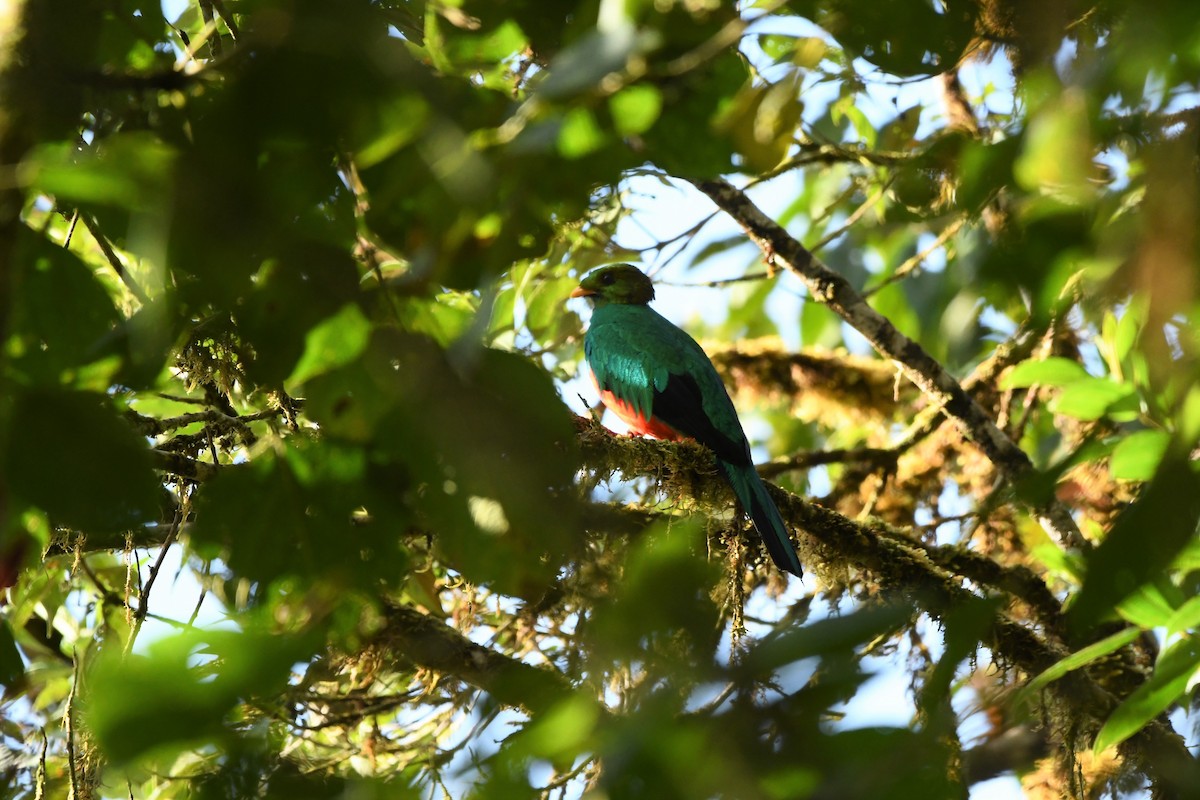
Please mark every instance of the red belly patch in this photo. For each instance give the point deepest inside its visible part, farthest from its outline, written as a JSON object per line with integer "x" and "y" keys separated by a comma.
{"x": 630, "y": 416}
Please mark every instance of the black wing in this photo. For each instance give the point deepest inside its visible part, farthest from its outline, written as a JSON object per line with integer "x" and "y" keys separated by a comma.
{"x": 681, "y": 406}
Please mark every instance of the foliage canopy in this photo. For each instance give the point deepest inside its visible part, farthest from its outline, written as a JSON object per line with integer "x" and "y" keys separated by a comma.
{"x": 292, "y": 500}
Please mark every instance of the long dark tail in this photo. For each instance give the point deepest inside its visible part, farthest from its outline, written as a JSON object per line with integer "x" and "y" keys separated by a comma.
{"x": 752, "y": 493}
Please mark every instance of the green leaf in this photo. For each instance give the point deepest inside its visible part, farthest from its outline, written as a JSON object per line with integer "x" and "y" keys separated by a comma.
{"x": 1186, "y": 617}
{"x": 482, "y": 441}
{"x": 791, "y": 782}
{"x": 1053, "y": 371}
{"x": 1129, "y": 327}
{"x": 402, "y": 120}
{"x": 70, "y": 454}
{"x": 1092, "y": 398}
{"x": 63, "y": 318}
{"x": 336, "y": 341}
{"x": 469, "y": 50}
{"x": 1175, "y": 668}
{"x": 665, "y": 563}
{"x": 1147, "y": 607}
{"x": 1058, "y": 562}
{"x": 564, "y": 731}
{"x": 825, "y": 637}
{"x": 126, "y": 169}
{"x": 846, "y": 108}
{"x": 11, "y": 665}
{"x": 1137, "y": 456}
{"x": 445, "y": 319}
{"x": 761, "y": 122}
{"x": 1129, "y": 558}
{"x": 1080, "y": 658}
{"x": 294, "y": 294}
{"x": 1057, "y": 156}
{"x": 579, "y": 134}
{"x": 809, "y": 51}
{"x": 303, "y": 505}
{"x": 635, "y": 108}
{"x": 181, "y": 703}
{"x": 893, "y": 302}
{"x": 819, "y": 326}
{"x": 544, "y": 304}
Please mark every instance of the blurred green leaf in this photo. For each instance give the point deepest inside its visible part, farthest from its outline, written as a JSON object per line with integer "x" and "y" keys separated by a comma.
{"x": 1174, "y": 670}
{"x": 892, "y": 301}
{"x": 1186, "y": 617}
{"x": 486, "y": 443}
{"x": 580, "y": 66}
{"x": 336, "y": 341}
{"x": 445, "y": 319}
{"x": 564, "y": 732}
{"x": 684, "y": 139}
{"x": 635, "y": 108}
{"x": 1129, "y": 327}
{"x": 185, "y": 686}
{"x": 900, "y": 40}
{"x": 761, "y": 122}
{"x": 127, "y": 170}
{"x": 819, "y": 327}
{"x": 72, "y": 455}
{"x": 1147, "y": 607}
{"x": 303, "y": 504}
{"x": 662, "y": 594}
{"x": 1053, "y": 371}
{"x": 825, "y": 637}
{"x": 1127, "y": 558}
{"x": 808, "y": 51}
{"x": 1091, "y": 398}
{"x": 63, "y": 318}
{"x": 1137, "y": 456}
{"x": 1078, "y": 659}
{"x": 1058, "y": 150}
{"x": 11, "y": 665}
{"x": 544, "y": 305}
{"x": 579, "y": 134}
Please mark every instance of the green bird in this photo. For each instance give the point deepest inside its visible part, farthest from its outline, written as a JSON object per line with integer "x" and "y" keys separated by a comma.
{"x": 660, "y": 382}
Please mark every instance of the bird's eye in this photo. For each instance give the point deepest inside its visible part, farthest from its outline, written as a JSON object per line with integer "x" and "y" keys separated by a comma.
{"x": 607, "y": 278}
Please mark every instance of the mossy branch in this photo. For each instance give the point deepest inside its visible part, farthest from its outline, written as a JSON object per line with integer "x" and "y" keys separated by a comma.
{"x": 934, "y": 579}
{"x": 830, "y": 288}
{"x": 414, "y": 637}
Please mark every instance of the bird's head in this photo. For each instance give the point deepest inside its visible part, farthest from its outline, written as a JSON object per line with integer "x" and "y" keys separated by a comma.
{"x": 616, "y": 283}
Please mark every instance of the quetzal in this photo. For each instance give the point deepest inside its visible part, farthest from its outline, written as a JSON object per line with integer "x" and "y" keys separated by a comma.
{"x": 660, "y": 382}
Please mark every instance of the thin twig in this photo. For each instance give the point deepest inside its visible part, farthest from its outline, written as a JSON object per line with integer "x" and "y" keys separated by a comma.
{"x": 183, "y": 466}
{"x": 203, "y": 594}
{"x": 71, "y": 230}
{"x": 114, "y": 260}
{"x": 69, "y": 727}
{"x": 911, "y": 264}
{"x": 144, "y": 594}
{"x": 39, "y": 779}
{"x": 816, "y": 458}
{"x": 719, "y": 42}
{"x": 851, "y": 220}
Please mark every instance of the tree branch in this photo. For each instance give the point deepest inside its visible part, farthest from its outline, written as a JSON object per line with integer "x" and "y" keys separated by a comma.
{"x": 432, "y": 644}
{"x": 184, "y": 467}
{"x": 859, "y": 386}
{"x": 930, "y": 578}
{"x": 830, "y": 288}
